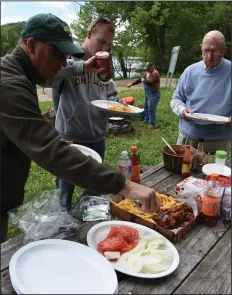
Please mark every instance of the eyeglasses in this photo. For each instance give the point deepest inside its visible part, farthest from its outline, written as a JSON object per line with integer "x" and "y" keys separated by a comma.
{"x": 103, "y": 20}
{"x": 55, "y": 51}
{"x": 207, "y": 52}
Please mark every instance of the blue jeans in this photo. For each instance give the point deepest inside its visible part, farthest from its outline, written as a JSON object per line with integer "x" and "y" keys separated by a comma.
{"x": 67, "y": 188}
{"x": 151, "y": 101}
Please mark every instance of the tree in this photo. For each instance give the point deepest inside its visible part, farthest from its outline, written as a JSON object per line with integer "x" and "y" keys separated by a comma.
{"x": 149, "y": 29}
{"x": 10, "y": 34}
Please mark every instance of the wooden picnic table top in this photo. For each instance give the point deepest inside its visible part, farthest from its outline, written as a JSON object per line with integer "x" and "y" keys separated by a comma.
{"x": 205, "y": 253}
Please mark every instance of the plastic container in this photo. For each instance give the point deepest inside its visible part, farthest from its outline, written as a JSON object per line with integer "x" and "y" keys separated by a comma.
{"x": 200, "y": 155}
{"x": 124, "y": 164}
{"x": 220, "y": 159}
{"x": 186, "y": 163}
{"x": 135, "y": 161}
{"x": 209, "y": 157}
{"x": 211, "y": 202}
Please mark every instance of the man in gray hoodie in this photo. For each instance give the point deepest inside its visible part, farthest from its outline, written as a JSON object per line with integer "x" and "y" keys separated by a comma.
{"x": 77, "y": 120}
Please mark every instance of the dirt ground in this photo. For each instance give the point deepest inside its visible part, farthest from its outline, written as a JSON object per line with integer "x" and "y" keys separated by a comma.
{"x": 121, "y": 85}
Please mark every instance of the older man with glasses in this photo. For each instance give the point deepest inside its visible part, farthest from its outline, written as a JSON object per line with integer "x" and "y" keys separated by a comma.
{"x": 26, "y": 135}
{"x": 205, "y": 87}
{"x": 77, "y": 120}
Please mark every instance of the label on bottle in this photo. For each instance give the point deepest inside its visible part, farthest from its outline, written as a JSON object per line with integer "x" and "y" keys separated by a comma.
{"x": 135, "y": 173}
{"x": 211, "y": 205}
{"x": 186, "y": 168}
{"x": 126, "y": 170}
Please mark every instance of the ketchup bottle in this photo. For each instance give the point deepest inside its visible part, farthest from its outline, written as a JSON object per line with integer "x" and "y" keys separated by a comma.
{"x": 186, "y": 163}
{"x": 135, "y": 161}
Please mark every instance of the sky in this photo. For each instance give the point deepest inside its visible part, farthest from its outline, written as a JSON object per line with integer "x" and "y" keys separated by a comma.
{"x": 15, "y": 11}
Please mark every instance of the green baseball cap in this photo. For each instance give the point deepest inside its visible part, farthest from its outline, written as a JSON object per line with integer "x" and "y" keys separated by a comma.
{"x": 48, "y": 27}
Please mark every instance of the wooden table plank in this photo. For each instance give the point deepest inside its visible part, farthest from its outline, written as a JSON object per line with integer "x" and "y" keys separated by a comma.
{"x": 213, "y": 275}
{"x": 192, "y": 250}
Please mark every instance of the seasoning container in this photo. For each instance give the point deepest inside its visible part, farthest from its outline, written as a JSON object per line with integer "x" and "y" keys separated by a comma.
{"x": 220, "y": 159}
{"x": 135, "y": 161}
{"x": 209, "y": 157}
{"x": 211, "y": 202}
{"x": 186, "y": 163}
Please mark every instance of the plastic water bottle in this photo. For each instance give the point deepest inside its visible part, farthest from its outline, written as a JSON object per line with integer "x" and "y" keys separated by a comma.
{"x": 124, "y": 164}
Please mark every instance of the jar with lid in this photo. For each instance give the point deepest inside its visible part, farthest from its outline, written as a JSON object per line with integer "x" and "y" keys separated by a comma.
{"x": 220, "y": 159}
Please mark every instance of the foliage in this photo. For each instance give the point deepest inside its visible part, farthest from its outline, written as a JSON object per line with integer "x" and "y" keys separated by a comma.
{"x": 148, "y": 141}
{"x": 10, "y": 34}
{"x": 149, "y": 29}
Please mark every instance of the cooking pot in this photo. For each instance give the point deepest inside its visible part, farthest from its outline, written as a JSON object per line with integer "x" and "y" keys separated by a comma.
{"x": 172, "y": 162}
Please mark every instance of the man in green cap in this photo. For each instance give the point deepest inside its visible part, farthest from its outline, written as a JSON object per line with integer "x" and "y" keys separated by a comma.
{"x": 26, "y": 135}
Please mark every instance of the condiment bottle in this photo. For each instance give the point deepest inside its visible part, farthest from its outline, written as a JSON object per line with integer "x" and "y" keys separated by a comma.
{"x": 199, "y": 158}
{"x": 211, "y": 202}
{"x": 135, "y": 162}
{"x": 186, "y": 163}
{"x": 220, "y": 159}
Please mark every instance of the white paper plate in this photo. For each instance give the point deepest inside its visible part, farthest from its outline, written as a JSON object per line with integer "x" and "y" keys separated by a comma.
{"x": 207, "y": 118}
{"x": 104, "y": 105}
{"x": 116, "y": 119}
{"x": 99, "y": 232}
{"x": 61, "y": 267}
{"x": 213, "y": 168}
{"x": 88, "y": 152}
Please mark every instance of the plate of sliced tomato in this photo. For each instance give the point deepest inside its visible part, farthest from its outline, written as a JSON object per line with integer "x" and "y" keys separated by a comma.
{"x": 115, "y": 238}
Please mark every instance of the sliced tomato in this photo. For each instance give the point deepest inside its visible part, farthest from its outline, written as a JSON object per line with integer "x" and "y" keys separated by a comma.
{"x": 128, "y": 247}
{"x": 111, "y": 244}
{"x": 124, "y": 232}
{"x": 134, "y": 235}
{"x": 113, "y": 232}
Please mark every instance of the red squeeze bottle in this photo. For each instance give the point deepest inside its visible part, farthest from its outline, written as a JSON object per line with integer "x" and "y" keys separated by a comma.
{"x": 186, "y": 163}
{"x": 135, "y": 167}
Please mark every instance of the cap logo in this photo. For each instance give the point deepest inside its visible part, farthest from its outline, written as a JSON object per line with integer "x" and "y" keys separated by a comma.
{"x": 66, "y": 28}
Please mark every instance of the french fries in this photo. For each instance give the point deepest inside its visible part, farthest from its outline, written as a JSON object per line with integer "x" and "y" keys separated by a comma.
{"x": 120, "y": 109}
{"x": 166, "y": 202}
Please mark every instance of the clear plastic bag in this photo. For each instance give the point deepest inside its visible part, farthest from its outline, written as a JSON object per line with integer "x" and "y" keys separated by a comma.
{"x": 43, "y": 217}
{"x": 91, "y": 208}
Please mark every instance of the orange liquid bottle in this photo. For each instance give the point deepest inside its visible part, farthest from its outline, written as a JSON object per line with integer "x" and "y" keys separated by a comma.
{"x": 186, "y": 163}
{"x": 210, "y": 212}
{"x": 135, "y": 161}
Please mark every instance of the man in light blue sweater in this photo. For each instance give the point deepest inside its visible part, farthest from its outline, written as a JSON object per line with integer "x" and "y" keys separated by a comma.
{"x": 77, "y": 119}
{"x": 205, "y": 87}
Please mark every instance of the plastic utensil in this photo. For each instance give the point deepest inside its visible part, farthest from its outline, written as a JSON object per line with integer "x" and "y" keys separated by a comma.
{"x": 168, "y": 145}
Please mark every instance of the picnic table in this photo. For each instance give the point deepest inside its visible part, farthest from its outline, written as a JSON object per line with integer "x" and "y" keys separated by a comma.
{"x": 205, "y": 253}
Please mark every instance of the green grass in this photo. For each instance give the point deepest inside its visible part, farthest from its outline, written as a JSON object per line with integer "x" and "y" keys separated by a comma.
{"x": 148, "y": 141}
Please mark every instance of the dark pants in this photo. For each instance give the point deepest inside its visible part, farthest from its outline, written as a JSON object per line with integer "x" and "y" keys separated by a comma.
{"x": 67, "y": 188}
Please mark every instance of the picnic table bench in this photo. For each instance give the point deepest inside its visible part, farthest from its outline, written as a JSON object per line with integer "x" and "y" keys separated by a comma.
{"x": 205, "y": 253}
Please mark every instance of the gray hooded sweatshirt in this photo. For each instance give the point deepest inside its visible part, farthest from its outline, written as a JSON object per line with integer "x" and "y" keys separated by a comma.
{"x": 73, "y": 90}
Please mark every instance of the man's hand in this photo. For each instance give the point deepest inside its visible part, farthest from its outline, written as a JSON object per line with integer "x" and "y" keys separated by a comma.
{"x": 129, "y": 85}
{"x": 146, "y": 196}
{"x": 142, "y": 79}
{"x": 90, "y": 66}
{"x": 122, "y": 101}
{"x": 185, "y": 111}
